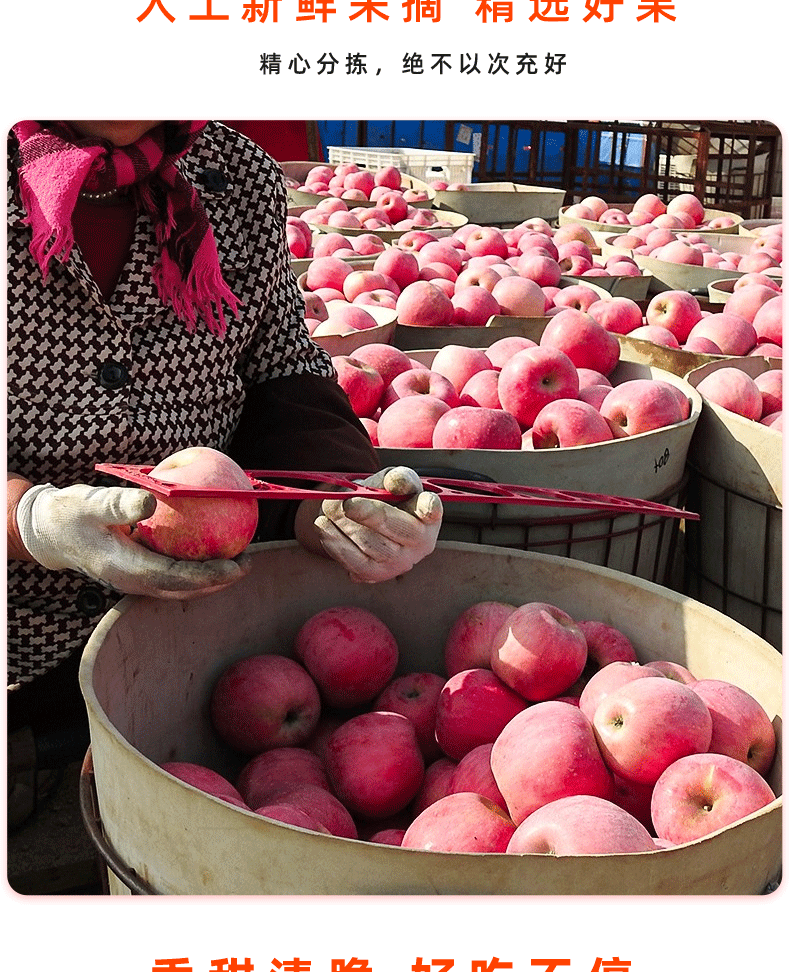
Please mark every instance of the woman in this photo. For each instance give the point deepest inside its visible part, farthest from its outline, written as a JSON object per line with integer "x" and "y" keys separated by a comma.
{"x": 151, "y": 307}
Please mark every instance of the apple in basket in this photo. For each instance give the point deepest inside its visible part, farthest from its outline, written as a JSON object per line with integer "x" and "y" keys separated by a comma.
{"x": 195, "y": 527}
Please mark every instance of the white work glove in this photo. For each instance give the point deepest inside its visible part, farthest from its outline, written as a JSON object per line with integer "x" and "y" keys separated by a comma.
{"x": 86, "y": 528}
{"x": 374, "y": 540}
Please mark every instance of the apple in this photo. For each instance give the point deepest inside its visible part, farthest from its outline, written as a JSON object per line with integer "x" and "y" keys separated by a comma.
{"x": 363, "y": 385}
{"x": 263, "y": 702}
{"x": 580, "y": 825}
{"x": 458, "y": 363}
{"x": 678, "y": 251}
{"x": 263, "y": 778}
{"x": 389, "y": 361}
{"x": 770, "y": 385}
{"x": 461, "y": 823}
{"x": 532, "y": 378}
{"x": 644, "y": 726}
{"x": 415, "y": 695}
{"x": 315, "y": 307}
{"x": 656, "y": 334}
{"x": 640, "y": 405}
{"x": 473, "y": 306}
{"x": 195, "y": 527}
{"x": 672, "y": 670}
{"x": 732, "y": 333}
{"x": 413, "y": 240}
{"x": 417, "y": 382}
{"x": 569, "y": 422}
{"x": 408, "y": 423}
{"x": 586, "y": 342}
{"x": 377, "y": 298}
{"x": 733, "y": 390}
{"x": 400, "y": 265}
{"x": 541, "y": 268}
{"x": 482, "y": 389}
{"x": 205, "y": 779}
{"x": 321, "y": 805}
{"x": 350, "y": 653}
{"x": 421, "y": 304}
{"x": 546, "y": 752}
{"x": 539, "y": 651}
{"x": 700, "y": 794}
{"x": 605, "y": 644}
{"x": 746, "y": 301}
{"x": 326, "y": 271}
{"x": 687, "y": 203}
{"x": 741, "y": 727}
{"x": 608, "y": 679}
{"x": 773, "y": 421}
{"x": 473, "y": 775}
{"x": 374, "y": 764}
{"x": 474, "y": 707}
{"x": 701, "y": 345}
{"x": 503, "y": 349}
{"x": 475, "y": 427}
{"x": 392, "y": 836}
{"x": 342, "y": 312}
{"x": 394, "y": 205}
{"x": 441, "y": 252}
{"x": 519, "y": 297}
{"x": 650, "y": 203}
{"x": 435, "y": 784}
{"x": 468, "y": 642}
{"x": 767, "y": 321}
{"x": 577, "y": 296}
{"x": 362, "y": 281}
{"x": 676, "y": 310}
{"x": 634, "y": 798}
{"x": 285, "y": 813}
{"x": 619, "y": 315}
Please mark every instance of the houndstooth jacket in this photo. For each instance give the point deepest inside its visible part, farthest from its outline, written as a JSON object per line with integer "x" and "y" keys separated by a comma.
{"x": 122, "y": 380}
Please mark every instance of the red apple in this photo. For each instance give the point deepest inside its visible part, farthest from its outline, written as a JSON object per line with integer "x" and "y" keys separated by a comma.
{"x": 608, "y": 679}
{"x": 321, "y": 805}
{"x": 362, "y": 384}
{"x": 502, "y": 350}
{"x": 606, "y": 644}
{"x": 194, "y": 527}
{"x": 569, "y": 422}
{"x": 473, "y": 306}
{"x": 700, "y": 794}
{"x": 580, "y": 825}
{"x": 676, "y": 310}
{"x": 532, "y": 378}
{"x": 400, "y": 265}
{"x": 461, "y": 823}
{"x": 285, "y": 813}
{"x": 435, "y": 784}
{"x": 374, "y": 764}
{"x": 741, "y": 727}
{"x": 474, "y": 706}
{"x": 415, "y": 695}
{"x": 619, "y": 315}
{"x": 732, "y": 333}
{"x": 672, "y": 670}
{"x": 468, "y": 642}
{"x": 519, "y": 297}
{"x": 482, "y": 389}
{"x": 770, "y": 385}
{"x": 644, "y": 726}
{"x": 473, "y": 775}
{"x": 767, "y": 321}
{"x": 408, "y": 423}
{"x": 546, "y": 752}
{"x": 205, "y": 779}
{"x": 640, "y": 405}
{"x": 458, "y": 363}
{"x": 386, "y": 359}
{"x": 421, "y": 304}
{"x": 269, "y": 774}
{"x": 539, "y": 651}
{"x": 733, "y": 390}
{"x": 420, "y": 382}
{"x": 475, "y": 427}
{"x": 350, "y": 653}
{"x": 586, "y": 342}
{"x": 264, "y": 701}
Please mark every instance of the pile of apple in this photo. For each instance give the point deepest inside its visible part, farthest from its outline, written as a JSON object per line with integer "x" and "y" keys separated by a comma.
{"x": 758, "y": 399}
{"x": 683, "y": 212}
{"x": 515, "y": 394}
{"x": 544, "y": 735}
{"x": 694, "y": 249}
{"x": 353, "y": 182}
{"x": 749, "y": 323}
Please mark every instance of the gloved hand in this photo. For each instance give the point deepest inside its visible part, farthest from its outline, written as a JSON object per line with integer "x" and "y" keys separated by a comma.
{"x": 374, "y": 540}
{"x": 86, "y": 528}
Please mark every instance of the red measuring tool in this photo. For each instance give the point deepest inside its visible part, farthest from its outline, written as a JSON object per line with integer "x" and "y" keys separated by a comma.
{"x": 449, "y": 490}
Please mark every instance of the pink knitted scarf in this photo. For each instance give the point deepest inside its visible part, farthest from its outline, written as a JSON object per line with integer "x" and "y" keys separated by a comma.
{"x": 56, "y": 164}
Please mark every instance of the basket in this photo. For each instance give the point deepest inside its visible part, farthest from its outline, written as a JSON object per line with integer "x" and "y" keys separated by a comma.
{"x": 734, "y": 552}
{"x": 148, "y": 669}
{"x": 500, "y": 203}
{"x": 425, "y": 164}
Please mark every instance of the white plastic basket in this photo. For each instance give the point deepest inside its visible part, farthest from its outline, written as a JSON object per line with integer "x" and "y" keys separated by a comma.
{"x": 425, "y": 164}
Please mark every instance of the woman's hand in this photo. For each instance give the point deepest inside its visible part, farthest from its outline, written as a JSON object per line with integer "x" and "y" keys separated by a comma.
{"x": 375, "y": 540}
{"x": 86, "y": 528}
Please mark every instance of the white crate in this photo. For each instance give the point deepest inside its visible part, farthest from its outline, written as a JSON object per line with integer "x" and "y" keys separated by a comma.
{"x": 425, "y": 164}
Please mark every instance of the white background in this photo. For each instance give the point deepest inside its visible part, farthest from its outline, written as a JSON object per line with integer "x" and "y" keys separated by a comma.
{"x": 92, "y": 59}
